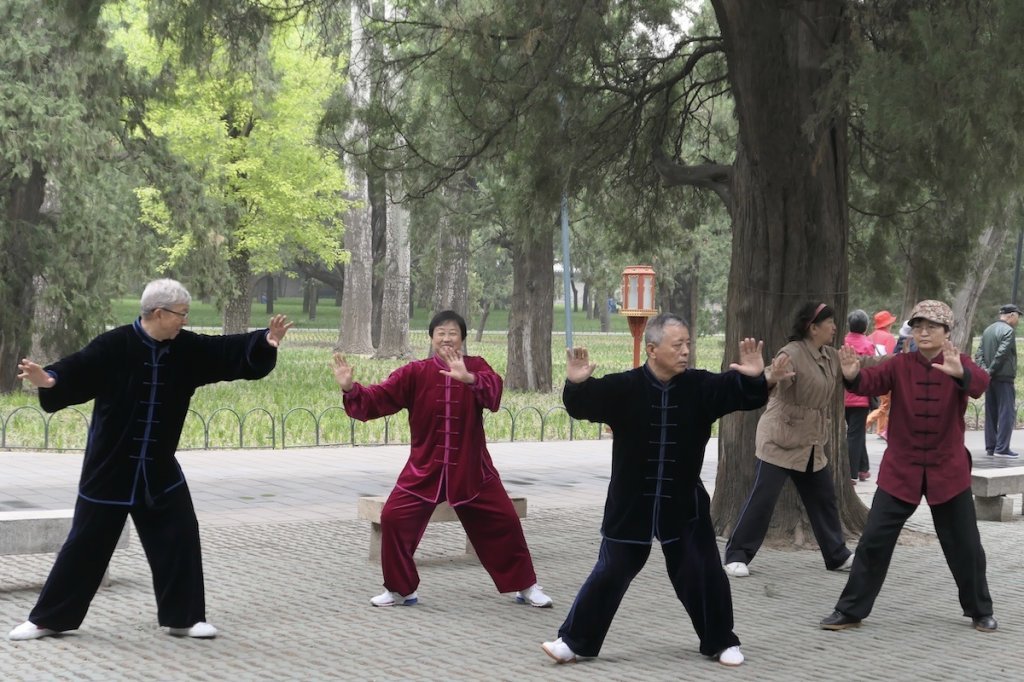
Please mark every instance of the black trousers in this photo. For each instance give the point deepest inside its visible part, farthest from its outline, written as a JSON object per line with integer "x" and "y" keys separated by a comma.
{"x": 819, "y": 498}
{"x": 856, "y": 428}
{"x": 169, "y": 533}
{"x": 957, "y": 528}
{"x": 694, "y": 568}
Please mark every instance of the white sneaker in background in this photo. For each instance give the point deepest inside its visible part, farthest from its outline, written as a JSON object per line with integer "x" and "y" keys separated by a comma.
{"x": 200, "y": 630}
{"x": 559, "y": 651}
{"x": 29, "y": 630}
{"x": 731, "y": 656}
{"x": 389, "y": 598}
{"x": 737, "y": 569}
{"x": 534, "y": 596}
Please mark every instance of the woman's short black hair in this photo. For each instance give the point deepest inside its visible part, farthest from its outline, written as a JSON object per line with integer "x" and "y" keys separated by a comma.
{"x": 812, "y": 312}
{"x": 447, "y": 316}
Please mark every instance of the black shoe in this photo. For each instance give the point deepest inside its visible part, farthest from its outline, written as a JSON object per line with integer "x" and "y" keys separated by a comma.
{"x": 990, "y": 452}
{"x": 985, "y": 624}
{"x": 1008, "y": 454}
{"x": 838, "y": 621}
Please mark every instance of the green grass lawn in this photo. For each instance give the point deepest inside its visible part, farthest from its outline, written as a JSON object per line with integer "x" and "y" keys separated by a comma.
{"x": 299, "y": 403}
{"x": 328, "y": 315}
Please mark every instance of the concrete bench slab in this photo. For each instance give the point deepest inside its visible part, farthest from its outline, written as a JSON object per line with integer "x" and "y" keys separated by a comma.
{"x": 369, "y": 509}
{"x": 39, "y": 531}
{"x": 990, "y": 488}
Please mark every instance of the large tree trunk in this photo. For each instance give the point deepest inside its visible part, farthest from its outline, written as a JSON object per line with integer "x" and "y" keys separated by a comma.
{"x": 354, "y": 333}
{"x": 238, "y": 307}
{"x": 379, "y": 214}
{"x": 356, "y": 302}
{"x": 790, "y": 222}
{"x": 394, "y": 336}
{"x": 531, "y": 314}
{"x": 451, "y": 281}
{"x": 21, "y": 257}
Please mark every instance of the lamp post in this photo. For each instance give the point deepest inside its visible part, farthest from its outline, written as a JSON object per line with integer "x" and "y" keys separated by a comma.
{"x": 638, "y": 302}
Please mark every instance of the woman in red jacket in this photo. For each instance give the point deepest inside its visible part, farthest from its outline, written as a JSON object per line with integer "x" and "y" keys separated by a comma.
{"x": 857, "y": 406}
{"x": 926, "y": 457}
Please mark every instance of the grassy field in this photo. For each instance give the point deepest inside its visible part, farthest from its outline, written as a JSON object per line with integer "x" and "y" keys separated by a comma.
{"x": 328, "y": 315}
{"x": 299, "y": 403}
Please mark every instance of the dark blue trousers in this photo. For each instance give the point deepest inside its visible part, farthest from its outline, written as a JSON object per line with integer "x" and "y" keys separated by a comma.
{"x": 957, "y": 528}
{"x": 169, "y": 533}
{"x": 856, "y": 428}
{"x": 694, "y": 568}
{"x": 1000, "y": 415}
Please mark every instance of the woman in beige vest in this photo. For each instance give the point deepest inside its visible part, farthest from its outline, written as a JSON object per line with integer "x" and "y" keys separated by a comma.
{"x": 790, "y": 443}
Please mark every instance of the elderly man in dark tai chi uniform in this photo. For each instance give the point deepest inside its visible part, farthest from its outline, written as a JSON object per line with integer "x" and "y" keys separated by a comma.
{"x": 661, "y": 414}
{"x": 142, "y": 377}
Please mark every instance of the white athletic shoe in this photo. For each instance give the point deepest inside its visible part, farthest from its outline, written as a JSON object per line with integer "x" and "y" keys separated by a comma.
{"x": 389, "y": 598}
{"x": 737, "y": 569}
{"x": 848, "y": 564}
{"x": 731, "y": 656}
{"x": 29, "y": 630}
{"x": 559, "y": 651}
{"x": 534, "y": 596}
{"x": 200, "y": 630}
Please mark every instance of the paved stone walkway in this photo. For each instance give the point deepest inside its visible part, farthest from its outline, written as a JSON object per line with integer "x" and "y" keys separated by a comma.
{"x": 288, "y": 583}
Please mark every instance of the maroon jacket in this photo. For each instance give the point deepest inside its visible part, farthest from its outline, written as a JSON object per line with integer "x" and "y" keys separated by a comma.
{"x": 448, "y": 450}
{"x": 926, "y": 452}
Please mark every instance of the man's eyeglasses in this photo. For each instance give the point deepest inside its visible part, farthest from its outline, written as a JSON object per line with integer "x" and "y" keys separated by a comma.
{"x": 183, "y": 315}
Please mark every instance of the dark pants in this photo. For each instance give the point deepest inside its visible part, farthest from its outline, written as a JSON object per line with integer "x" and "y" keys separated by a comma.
{"x": 695, "y": 569}
{"x": 819, "y": 498}
{"x": 169, "y": 533}
{"x": 957, "y": 528}
{"x": 856, "y": 427}
{"x": 1000, "y": 415}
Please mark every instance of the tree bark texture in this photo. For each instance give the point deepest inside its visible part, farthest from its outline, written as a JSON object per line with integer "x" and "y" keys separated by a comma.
{"x": 790, "y": 221}
{"x": 238, "y": 307}
{"x": 20, "y": 259}
{"x": 451, "y": 281}
{"x": 357, "y": 303}
{"x": 531, "y": 314}
{"x": 380, "y": 212}
{"x": 394, "y": 333}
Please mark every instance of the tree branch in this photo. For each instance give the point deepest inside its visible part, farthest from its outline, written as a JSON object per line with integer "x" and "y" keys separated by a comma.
{"x": 713, "y": 176}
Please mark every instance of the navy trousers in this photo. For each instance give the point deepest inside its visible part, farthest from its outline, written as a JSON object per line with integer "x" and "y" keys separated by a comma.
{"x": 957, "y": 528}
{"x": 1000, "y": 415}
{"x": 694, "y": 568}
{"x": 169, "y": 533}
{"x": 856, "y": 428}
{"x": 819, "y": 498}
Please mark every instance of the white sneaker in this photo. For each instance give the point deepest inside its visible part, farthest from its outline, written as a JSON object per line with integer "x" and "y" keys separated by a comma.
{"x": 389, "y": 598}
{"x": 534, "y": 596}
{"x": 737, "y": 569}
{"x": 29, "y": 630}
{"x": 200, "y": 630}
{"x": 848, "y": 564}
{"x": 731, "y": 656}
{"x": 559, "y": 651}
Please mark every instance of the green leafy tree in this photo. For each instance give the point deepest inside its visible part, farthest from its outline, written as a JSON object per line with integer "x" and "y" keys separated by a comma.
{"x": 247, "y": 123}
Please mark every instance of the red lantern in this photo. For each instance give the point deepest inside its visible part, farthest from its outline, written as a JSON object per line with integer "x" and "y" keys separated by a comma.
{"x": 638, "y": 302}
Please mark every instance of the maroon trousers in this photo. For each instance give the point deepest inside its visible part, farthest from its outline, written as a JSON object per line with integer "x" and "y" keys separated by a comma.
{"x": 490, "y": 521}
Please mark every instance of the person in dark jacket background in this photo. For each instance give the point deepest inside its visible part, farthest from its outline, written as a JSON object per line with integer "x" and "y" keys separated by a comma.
{"x": 142, "y": 377}
{"x": 661, "y": 415}
{"x": 997, "y": 355}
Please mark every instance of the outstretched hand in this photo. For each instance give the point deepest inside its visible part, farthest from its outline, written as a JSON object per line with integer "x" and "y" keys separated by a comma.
{"x": 779, "y": 369}
{"x": 34, "y": 373}
{"x": 751, "y": 362}
{"x": 951, "y": 363}
{"x": 578, "y": 366}
{"x": 342, "y": 372}
{"x": 456, "y": 365}
{"x": 278, "y": 327}
{"x": 849, "y": 361}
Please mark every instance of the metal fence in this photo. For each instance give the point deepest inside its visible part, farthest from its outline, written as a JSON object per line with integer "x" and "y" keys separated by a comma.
{"x": 29, "y": 428}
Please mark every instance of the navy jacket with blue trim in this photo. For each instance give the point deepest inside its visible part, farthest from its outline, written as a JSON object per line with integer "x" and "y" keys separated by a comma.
{"x": 142, "y": 390}
{"x": 660, "y": 431}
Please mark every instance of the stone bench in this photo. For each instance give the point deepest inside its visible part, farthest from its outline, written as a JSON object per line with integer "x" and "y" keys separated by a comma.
{"x": 990, "y": 488}
{"x": 369, "y": 509}
{"x": 39, "y": 531}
